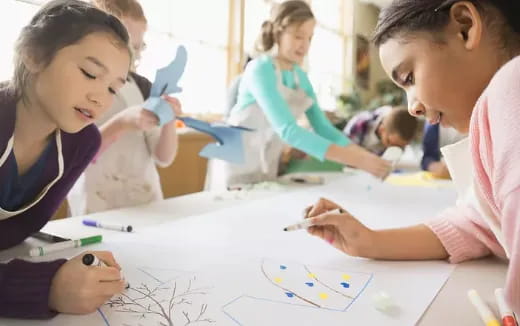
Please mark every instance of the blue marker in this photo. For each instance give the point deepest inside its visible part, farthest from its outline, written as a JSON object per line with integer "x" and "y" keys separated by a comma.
{"x": 116, "y": 227}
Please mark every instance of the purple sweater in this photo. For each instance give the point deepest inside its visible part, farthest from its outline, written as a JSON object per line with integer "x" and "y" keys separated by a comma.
{"x": 24, "y": 286}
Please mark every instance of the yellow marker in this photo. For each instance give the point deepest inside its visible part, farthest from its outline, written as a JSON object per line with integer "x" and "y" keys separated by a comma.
{"x": 346, "y": 277}
{"x": 324, "y": 296}
{"x": 277, "y": 280}
{"x": 311, "y": 275}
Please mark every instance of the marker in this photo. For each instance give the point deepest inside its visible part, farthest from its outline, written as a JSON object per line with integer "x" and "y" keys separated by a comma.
{"x": 308, "y": 222}
{"x": 508, "y": 319}
{"x": 92, "y": 260}
{"x": 308, "y": 179}
{"x": 116, "y": 227}
{"x": 44, "y": 250}
{"x": 485, "y": 313}
{"x": 48, "y": 237}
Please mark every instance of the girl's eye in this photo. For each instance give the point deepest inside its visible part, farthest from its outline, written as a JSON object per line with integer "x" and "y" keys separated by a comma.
{"x": 89, "y": 76}
{"x": 111, "y": 90}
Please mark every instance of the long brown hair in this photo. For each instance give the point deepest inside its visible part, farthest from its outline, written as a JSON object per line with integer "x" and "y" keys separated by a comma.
{"x": 283, "y": 15}
{"x": 58, "y": 24}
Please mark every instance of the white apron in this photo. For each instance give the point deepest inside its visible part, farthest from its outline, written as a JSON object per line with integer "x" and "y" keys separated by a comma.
{"x": 262, "y": 147}
{"x": 124, "y": 174}
{"x": 460, "y": 164}
{"x": 5, "y": 214}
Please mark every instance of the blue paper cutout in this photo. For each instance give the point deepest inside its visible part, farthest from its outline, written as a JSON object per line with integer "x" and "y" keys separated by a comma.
{"x": 166, "y": 80}
{"x": 283, "y": 267}
{"x": 229, "y": 146}
{"x": 289, "y": 294}
{"x": 309, "y": 284}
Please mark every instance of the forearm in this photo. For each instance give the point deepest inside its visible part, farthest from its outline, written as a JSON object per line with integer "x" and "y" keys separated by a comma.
{"x": 352, "y": 154}
{"x": 411, "y": 243}
{"x": 110, "y": 132}
{"x": 166, "y": 148}
{"x": 25, "y": 287}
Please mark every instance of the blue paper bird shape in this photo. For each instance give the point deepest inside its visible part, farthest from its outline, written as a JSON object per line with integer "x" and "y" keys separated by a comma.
{"x": 229, "y": 146}
{"x": 166, "y": 80}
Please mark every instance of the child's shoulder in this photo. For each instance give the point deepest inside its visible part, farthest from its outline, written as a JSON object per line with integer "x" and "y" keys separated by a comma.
{"x": 7, "y": 113}
{"x": 507, "y": 79}
{"x": 502, "y": 96}
{"x": 262, "y": 64}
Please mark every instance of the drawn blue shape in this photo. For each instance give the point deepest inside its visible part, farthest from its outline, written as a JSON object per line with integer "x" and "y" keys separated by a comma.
{"x": 166, "y": 80}
{"x": 345, "y": 285}
{"x": 283, "y": 267}
{"x": 309, "y": 284}
{"x": 289, "y": 294}
{"x": 229, "y": 146}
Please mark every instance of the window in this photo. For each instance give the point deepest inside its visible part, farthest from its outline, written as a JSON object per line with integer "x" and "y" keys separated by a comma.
{"x": 326, "y": 55}
{"x": 14, "y": 16}
{"x": 202, "y": 27}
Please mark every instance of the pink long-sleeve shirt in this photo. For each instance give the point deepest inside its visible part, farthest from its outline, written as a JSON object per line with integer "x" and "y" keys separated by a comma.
{"x": 494, "y": 136}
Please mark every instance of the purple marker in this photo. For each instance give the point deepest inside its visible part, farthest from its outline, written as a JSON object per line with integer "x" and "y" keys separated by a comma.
{"x": 116, "y": 227}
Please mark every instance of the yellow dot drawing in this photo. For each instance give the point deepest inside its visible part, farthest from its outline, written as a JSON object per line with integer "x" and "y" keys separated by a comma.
{"x": 311, "y": 275}
{"x": 346, "y": 277}
{"x": 323, "y": 296}
{"x": 277, "y": 280}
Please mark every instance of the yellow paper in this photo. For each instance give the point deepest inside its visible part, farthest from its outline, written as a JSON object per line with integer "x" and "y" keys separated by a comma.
{"x": 419, "y": 179}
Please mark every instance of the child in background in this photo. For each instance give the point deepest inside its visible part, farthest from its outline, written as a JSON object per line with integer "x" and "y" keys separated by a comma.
{"x": 435, "y": 137}
{"x": 384, "y": 127}
{"x": 274, "y": 93}
{"x": 124, "y": 173}
{"x": 70, "y": 61}
{"x": 460, "y": 66}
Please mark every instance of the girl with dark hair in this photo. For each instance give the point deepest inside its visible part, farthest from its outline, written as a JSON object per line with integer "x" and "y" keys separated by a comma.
{"x": 459, "y": 63}
{"x": 71, "y": 60}
{"x": 274, "y": 93}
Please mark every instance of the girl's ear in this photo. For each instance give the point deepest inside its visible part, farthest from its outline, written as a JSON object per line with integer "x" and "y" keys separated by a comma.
{"x": 468, "y": 21}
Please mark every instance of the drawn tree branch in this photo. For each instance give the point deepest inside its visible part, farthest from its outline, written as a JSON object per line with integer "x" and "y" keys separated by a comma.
{"x": 146, "y": 302}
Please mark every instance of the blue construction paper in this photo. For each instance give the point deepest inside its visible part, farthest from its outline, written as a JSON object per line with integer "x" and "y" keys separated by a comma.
{"x": 229, "y": 146}
{"x": 166, "y": 80}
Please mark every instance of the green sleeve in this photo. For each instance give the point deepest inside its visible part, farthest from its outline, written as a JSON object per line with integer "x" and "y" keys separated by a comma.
{"x": 317, "y": 118}
{"x": 262, "y": 83}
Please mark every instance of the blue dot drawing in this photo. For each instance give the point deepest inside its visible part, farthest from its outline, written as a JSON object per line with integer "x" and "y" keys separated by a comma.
{"x": 282, "y": 267}
{"x": 345, "y": 285}
{"x": 309, "y": 284}
{"x": 289, "y": 294}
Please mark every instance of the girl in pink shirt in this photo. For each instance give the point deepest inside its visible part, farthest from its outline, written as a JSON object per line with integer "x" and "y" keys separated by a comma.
{"x": 458, "y": 62}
